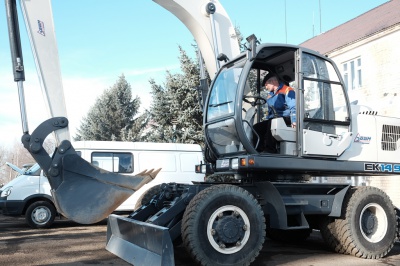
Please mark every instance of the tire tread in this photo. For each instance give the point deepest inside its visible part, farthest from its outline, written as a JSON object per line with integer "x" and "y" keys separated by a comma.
{"x": 188, "y": 234}
{"x": 346, "y": 235}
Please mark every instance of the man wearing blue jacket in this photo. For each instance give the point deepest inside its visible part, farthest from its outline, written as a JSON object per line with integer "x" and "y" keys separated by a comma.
{"x": 281, "y": 102}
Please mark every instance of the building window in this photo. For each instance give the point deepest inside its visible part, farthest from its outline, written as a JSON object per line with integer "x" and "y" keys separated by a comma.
{"x": 345, "y": 75}
{"x": 359, "y": 76}
{"x": 352, "y": 74}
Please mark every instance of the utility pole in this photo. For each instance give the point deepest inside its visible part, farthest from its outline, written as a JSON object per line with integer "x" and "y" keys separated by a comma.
{"x": 285, "y": 23}
{"x": 320, "y": 17}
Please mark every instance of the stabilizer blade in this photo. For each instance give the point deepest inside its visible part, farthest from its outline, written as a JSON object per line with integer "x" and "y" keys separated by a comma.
{"x": 139, "y": 243}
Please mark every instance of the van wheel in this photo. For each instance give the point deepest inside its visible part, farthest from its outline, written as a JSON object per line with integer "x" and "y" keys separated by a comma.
{"x": 223, "y": 225}
{"x": 40, "y": 214}
{"x": 368, "y": 228}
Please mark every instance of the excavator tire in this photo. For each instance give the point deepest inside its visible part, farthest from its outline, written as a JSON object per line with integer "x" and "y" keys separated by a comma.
{"x": 398, "y": 223}
{"x": 220, "y": 178}
{"x": 368, "y": 226}
{"x": 147, "y": 196}
{"x": 330, "y": 235}
{"x": 223, "y": 225}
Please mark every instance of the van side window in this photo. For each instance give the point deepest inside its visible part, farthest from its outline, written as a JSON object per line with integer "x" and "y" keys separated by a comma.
{"x": 113, "y": 161}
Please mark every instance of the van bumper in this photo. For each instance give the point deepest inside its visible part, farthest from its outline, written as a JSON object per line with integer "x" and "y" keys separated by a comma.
{"x": 11, "y": 207}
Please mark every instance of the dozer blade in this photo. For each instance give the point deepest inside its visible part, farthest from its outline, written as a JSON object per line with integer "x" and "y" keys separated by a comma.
{"x": 82, "y": 192}
{"x": 139, "y": 243}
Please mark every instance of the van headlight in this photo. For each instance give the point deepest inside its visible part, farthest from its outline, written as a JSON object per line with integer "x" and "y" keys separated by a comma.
{"x": 6, "y": 192}
{"x": 235, "y": 163}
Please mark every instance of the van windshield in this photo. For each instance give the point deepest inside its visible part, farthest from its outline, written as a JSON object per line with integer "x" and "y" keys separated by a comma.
{"x": 34, "y": 170}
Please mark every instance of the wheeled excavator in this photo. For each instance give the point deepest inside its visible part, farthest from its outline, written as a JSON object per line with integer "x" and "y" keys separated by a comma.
{"x": 254, "y": 193}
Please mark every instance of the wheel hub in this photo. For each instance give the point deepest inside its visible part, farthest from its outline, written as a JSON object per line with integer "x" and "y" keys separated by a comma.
{"x": 369, "y": 222}
{"x": 40, "y": 215}
{"x": 229, "y": 229}
{"x": 373, "y": 222}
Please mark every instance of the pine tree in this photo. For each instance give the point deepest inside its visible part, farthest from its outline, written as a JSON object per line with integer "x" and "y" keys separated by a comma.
{"x": 138, "y": 131}
{"x": 112, "y": 112}
{"x": 185, "y": 105}
{"x": 175, "y": 111}
{"x": 159, "y": 126}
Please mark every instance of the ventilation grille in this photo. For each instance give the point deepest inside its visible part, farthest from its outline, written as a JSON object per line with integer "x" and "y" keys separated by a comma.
{"x": 390, "y": 137}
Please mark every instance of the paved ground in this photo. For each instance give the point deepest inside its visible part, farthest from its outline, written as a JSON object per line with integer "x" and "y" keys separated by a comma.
{"x": 68, "y": 243}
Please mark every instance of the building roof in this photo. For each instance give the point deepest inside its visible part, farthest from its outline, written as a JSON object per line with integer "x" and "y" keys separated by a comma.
{"x": 376, "y": 20}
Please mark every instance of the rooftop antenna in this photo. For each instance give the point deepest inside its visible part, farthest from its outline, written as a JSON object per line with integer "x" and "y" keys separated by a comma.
{"x": 320, "y": 17}
{"x": 313, "y": 31}
{"x": 285, "y": 23}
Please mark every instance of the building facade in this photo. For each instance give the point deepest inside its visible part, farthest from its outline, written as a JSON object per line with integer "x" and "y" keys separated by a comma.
{"x": 367, "y": 51}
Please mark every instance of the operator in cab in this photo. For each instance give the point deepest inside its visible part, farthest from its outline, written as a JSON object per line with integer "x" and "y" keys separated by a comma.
{"x": 281, "y": 102}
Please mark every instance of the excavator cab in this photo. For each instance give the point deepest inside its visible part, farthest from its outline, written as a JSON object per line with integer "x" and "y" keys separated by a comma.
{"x": 237, "y": 102}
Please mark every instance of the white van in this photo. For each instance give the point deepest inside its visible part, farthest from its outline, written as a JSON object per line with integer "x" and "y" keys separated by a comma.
{"x": 29, "y": 193}
{"x": 177, "y": 162}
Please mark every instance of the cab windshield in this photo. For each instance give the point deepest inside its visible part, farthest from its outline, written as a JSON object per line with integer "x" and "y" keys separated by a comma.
{"x": 223, "y": 93}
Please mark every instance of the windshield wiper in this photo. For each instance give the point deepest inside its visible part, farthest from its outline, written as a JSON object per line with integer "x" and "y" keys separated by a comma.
{"x": 218, "y": 104}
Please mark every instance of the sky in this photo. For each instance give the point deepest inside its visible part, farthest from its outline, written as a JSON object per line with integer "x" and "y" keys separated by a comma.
{"x": 100, "y": 40}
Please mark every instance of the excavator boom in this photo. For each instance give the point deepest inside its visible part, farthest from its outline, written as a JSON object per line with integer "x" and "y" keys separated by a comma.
{"x": 210, "y": 26}
{"x": 38, "y": 17}
{"x": 83, "y": 192}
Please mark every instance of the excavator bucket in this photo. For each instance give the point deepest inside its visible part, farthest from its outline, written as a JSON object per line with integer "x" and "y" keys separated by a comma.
{"x": 82, "y": 192}
{"x": 139, "y": 243}
{"x": 89, "y": 194}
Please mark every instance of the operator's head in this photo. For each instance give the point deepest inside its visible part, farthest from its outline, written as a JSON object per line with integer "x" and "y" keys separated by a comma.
{"x": 272, "y": 83}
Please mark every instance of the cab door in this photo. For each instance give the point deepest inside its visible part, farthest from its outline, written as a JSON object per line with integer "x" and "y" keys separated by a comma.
{"x": 325, "y": 130}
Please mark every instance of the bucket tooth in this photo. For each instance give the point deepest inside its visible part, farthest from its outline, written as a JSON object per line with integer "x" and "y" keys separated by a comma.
{"x": 147, "y": 177}
{"x": 155, "y": 173}
{"x": 143, "y": 172}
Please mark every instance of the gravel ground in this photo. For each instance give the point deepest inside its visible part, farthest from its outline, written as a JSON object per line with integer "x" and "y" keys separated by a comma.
{"x": 68, "y": 243}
